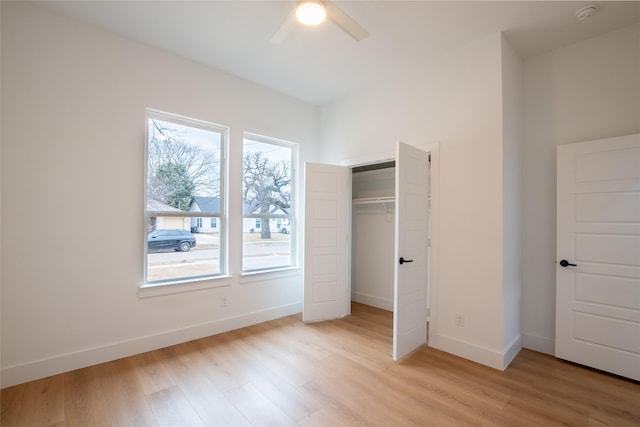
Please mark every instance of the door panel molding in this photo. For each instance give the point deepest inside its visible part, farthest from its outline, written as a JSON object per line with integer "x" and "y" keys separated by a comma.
{"x": 598, "y": 220}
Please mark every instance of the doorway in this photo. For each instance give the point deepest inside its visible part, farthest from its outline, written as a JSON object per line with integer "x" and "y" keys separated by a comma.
{"x": 598, "y": 250}
{"x": 328, "y": 259}
{"x": 373, "y": 234}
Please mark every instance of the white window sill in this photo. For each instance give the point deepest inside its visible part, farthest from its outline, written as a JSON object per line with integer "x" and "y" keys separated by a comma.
{"x": 278, "y": 273}
{"x": 187, "y": 285}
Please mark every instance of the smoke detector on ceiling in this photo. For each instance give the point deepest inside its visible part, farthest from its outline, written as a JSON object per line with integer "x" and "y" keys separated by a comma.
{"x": 586, "y": 12}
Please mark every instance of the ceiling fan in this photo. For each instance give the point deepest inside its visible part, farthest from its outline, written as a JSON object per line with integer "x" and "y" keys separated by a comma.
{"x": 314, "y": 12}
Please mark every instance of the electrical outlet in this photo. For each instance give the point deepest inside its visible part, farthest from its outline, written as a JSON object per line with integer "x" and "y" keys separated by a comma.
{"x": 224, "y": 301}
{"x": 460, "y": 320}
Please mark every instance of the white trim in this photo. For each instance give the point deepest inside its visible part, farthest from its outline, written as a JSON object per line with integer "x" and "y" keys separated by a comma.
{"x": 511, "y": 351}
{"x": 538, "y": 343}
{"x": 372, "y": 300}
{"x": 184, "y": 120}
{"x": 485, "y": 356}
{"x": 221, "y": 216}
{"x": 184, "y": 214}
{"x": 36, "y": 369}
{"x": 434, "y": 243}
{"x": 186, "y": 285}
{"x": 372, "y": 159}
{"x": 294, "y": 207}
{"x": 251, "y": 276}
{"x": 386, "y": 155}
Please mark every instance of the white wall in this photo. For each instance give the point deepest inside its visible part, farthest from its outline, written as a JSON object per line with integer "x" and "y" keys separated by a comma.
{"x": 589, "y": 90}
{"x": 73, "y": 100}
{"x": 512, "y": 198}
{"x": 73, "y": 109}
{"x": 0, "y": 198}
{"x": 456, "y": 100}
{"x": 372, "y": 239}
{"x": 372, "y": 256}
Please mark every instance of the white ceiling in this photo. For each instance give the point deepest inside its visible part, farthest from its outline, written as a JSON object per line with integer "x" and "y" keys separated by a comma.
{"x": 321, "y": 64}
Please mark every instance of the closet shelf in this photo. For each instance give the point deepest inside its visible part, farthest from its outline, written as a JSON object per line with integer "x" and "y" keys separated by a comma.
{"x": 374, "y": 200}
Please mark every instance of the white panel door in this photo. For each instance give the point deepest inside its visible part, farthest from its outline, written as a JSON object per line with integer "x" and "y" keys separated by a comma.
{"x": 326, "y": 257}
{"x": 411, "y": 246}
{"x": 598, "y": 252}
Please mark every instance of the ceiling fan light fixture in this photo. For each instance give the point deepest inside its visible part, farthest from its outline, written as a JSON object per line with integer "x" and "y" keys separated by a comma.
{"x": 311, "y": 13}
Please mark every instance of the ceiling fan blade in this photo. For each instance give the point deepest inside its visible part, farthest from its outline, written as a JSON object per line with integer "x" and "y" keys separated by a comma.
{"x": 345, "y": 22}
{"x": 286, "y": 27}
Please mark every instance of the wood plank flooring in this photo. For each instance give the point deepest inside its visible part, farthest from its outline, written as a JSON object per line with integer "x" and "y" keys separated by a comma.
{"x": 337, "y": 373}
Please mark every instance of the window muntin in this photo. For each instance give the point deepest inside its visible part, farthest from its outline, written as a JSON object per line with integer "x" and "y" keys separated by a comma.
{"x": 268, "y": 189}
{"x": 184, "y": 185}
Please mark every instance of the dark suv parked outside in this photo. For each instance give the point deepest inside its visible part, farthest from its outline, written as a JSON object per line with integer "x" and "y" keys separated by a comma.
{"x": 177, "y": 240}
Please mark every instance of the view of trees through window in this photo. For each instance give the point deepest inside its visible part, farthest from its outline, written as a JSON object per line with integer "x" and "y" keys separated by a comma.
{"x": 185, "y": 201}
{"x": 184, "y": 183}
{"x": 267, "y": 204}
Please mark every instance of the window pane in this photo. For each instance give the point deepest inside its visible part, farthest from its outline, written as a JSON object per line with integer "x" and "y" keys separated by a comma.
{"x": 183, "y": 169}
{"x": 266, "y": 178}
{"x": 267, "y": 205}
{"x": 173, "y": 252}
{"x": 183, "y": 180}
{"x": 259, "y": 253}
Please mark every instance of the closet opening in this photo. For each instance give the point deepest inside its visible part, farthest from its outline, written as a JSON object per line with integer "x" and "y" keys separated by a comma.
{"x": 373, "y": 239}
{"x": 372, "y": 234}
{"x": 367, "y": 239}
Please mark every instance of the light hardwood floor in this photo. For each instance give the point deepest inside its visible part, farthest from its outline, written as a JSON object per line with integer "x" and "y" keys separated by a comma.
{"x": 338, "y": 373}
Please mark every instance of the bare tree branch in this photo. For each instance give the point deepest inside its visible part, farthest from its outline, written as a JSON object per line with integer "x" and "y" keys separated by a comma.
{"x": 267, "y": 185}
{"x": 176, "y": 165}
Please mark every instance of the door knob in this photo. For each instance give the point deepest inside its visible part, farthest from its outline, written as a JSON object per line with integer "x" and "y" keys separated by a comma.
{"x": 565, "y": 263}
{"x": 402, "y": 260}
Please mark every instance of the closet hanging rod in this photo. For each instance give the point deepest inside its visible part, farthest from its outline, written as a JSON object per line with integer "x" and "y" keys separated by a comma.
{"x": 374, "y": 200}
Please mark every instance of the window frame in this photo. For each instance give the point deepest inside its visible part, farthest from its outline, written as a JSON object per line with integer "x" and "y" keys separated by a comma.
{"x": 292, "y": 216}
{"x": 221, "y": 217}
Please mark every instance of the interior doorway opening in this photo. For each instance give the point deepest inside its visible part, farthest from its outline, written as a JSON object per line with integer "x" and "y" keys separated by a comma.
{"x": 373, "y": 234}
{"x": 331, "y": 248}
{"x": 373, "y": 229}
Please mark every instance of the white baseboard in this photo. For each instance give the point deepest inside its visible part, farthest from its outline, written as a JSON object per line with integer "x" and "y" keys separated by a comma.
{"x": 538, "y": 343}
{"x": 373, "y": 301}
{"x": 492, "y": 358}
{"x": 511, "y": 351}
{"x": 30, "y": 371}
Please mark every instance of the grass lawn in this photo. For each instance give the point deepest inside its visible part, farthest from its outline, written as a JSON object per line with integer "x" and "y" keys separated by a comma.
{"x": 275, "y": 237}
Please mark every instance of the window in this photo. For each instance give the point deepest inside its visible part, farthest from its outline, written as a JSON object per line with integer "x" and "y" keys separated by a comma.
{"x": 184, "y": 184}
{"x": 268, "y": 189}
